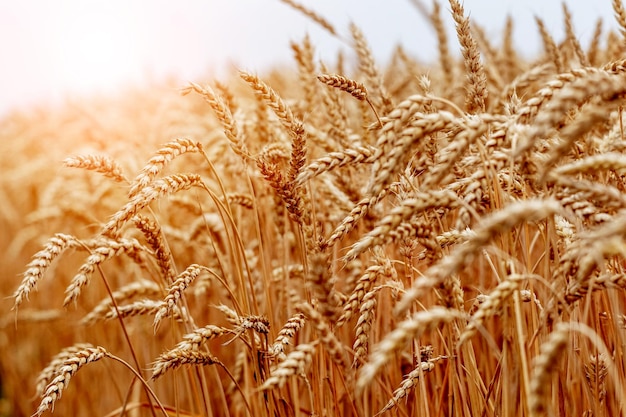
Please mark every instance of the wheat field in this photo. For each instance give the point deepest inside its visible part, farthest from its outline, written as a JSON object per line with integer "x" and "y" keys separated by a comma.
{"x": 329, "y": 239}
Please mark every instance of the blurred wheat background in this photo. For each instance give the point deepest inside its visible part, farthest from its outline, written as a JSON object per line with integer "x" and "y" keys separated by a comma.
{"x": 338, "y": 236}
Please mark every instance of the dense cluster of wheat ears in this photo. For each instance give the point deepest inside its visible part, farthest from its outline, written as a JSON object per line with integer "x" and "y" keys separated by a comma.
{"x": 432, "y": 240}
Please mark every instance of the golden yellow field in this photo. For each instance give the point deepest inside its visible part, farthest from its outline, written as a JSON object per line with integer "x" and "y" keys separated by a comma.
{"x": 333, "y": 239}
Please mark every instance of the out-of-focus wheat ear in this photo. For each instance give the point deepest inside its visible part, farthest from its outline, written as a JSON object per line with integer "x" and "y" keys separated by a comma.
{"x": 243, "y": 200}
{"x": 350, "y": 221}
{"x": 382, "y": 269}
{"x": 106, "y": 250}
{"x": 508, "y": 58}
{"x": 550, "y": 45}
{"x": 596, "y": 113}
{"x": 227, "y": 96}
{"x": 176, "y": 290}
{"x": 368, "y": 67}
{"x": 295, "y": 363}
{"x": 620, "y": 16}
{"x": 571, "y": 37}
{"x": 402, "y": 143}
{"x": 523, "y": 81}
{"x": 354, "y": 88}
{"x": 404, "y": 211}
{"x": 161, "y": 158}
{"x": 406, "y": 330}
{"x": 593, "y": 52}
{"x": 51, "y": 370}
{"x": 286, "y": 335}
{"x": 530, "y": 210}
{"x": 473, "y": 128}
{"x": 596, "y": 371}
{"x": 533, "y": 105}
{"x": 321, "y": 282}
{"x": 152, "y": 232}
{"x": 409, "y": 382}
{"x": 143, "y": 288}
{"x": 609, "y": 161}
{"x": 614, "y": 46}
{"x": 600, "y": 83}
{"x": 545, "y": 364}
{"x": 151, "y": 192}
{"x": 103, "y": 164}
{"x": 476, "y": 95}
{"x": 329, "y": 340}
{"x": 320, "y": 20}
{"x": 41, "y": 261}
{"x": 336, "y": 114}
{"x": 177, "y": 358}
{"x": 65, "y": 372}
{"x": 445, "y": 59}
{"x": 141, "y": 308}
{"x": 225, "y": 117}
{"x": 492, "y": 304}
{"x": 271, "y": 99}
{"x": 304, "y": 55}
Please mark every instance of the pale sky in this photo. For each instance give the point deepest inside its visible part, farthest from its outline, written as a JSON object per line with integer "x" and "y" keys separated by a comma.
{"x": 51, "y": 50}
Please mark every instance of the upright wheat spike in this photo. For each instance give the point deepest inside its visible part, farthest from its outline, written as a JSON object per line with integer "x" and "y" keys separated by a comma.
{"x": 477, "y": 80}
{"x": 544, "y": 365}
{"x": 571, "y": 37}
{"x": 620, "y": 16}
{"x": 550, "y": 45}
{"x": 445, "y": 60}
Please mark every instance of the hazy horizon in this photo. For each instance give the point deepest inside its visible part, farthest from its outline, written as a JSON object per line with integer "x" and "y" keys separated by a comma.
{"x": 55, "y": 50}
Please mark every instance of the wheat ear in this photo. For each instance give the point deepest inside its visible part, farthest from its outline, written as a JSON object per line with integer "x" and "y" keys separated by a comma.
{"x": 406, "y": 330}
{"x": 102, "y": 164}
{"x": 65, "y": 372}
